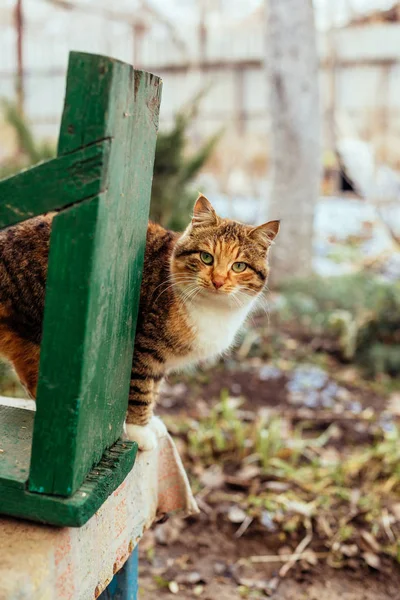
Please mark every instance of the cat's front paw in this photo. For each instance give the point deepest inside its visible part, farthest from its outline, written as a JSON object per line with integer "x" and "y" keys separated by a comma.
{"x": 143, "y": 435}
{"x": 146, "y": 436}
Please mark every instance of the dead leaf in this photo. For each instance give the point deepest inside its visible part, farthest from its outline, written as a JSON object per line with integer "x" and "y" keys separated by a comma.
{"x": 324, "y": 526}
{"x": 254, "y": 584}
{"x": 284, "y": 453}
{"x": 372, "y": 560}
{"x": 236, "y": 514}
{"x": 302, "y": 508}
{"x": 329, "y": 456}
{"x": 291, "y": 344}
{"x": 277, "y": 486}
{"x": 349, "y": 374}
{"x": 311, "y": 558}
{"x": 349, "y": 550}
{"x": 248, "y": 472}
{"x": 237, "y": 482}
{"x": 213, "y": 478}
{"x": 198, "y": 590}
{"x": 182, "y": 561}
{"x": 371, "y": 541}
{"x": 190, "y": 578}
{"x": 173, "y": 587}
{"x": 220, "y": 568}
{"x": 355, "y": 497}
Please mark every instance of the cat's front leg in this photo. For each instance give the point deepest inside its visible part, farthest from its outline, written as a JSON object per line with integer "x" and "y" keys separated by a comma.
{"x": 141, "y": 425}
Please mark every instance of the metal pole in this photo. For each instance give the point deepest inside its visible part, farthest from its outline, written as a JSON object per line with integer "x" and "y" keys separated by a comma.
{"x": 124, "y": 585}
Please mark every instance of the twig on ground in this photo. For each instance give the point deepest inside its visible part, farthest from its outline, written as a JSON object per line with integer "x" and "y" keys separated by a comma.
{"x": 206, "y": 508}
{"x": 386, "y": 522}
{"x": 287, "y": 558}
{"x": 298, "y": 553}
{"x": 244, "y": 526}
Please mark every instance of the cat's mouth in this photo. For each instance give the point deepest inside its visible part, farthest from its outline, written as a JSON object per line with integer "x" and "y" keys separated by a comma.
{"x": 220, "y": 291}
{"x": 217, "y": 293}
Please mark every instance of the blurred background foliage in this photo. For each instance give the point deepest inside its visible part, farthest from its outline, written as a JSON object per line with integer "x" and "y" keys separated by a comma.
{"x": 175, "y": 168}
{"x": 29, "y": 151}
{"x": 358, "y": 315}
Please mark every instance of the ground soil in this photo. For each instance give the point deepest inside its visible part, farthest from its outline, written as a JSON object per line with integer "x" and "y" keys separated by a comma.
{"x": 202, "y": 556}
{"x": 207, "y": 555}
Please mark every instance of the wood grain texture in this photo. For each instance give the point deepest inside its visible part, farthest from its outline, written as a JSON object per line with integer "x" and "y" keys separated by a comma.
{"x": 16, "y": 427}
{"x": 116, "y": 463}
{"x": 54, "y": 184}
{"x": 95, "y": 269}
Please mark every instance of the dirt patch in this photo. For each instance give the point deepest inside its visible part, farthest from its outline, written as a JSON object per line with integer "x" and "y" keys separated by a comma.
{"x": 311, "y": 396}
{"x": 182, "y": 396}
{"x": 328, "y": 584}
{"x": 264, "y": 386}
{"x": 205, "y": 562}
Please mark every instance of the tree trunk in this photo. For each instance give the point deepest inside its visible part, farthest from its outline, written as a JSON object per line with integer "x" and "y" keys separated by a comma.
{"x": 292, "y": 72}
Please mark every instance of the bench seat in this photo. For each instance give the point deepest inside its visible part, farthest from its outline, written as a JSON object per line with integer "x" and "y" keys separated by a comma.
{"x": 40, "y": 562}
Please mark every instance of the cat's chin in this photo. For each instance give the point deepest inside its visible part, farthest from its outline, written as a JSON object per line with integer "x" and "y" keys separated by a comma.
{"x": 223, "y": 299}
{"x": 211, "y": 296}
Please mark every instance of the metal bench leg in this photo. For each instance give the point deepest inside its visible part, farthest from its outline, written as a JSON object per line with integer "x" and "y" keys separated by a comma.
{"x": 124, "y": 585}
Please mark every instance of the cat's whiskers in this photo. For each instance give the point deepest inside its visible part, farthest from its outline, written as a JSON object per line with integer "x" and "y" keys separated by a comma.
{"x": 266, "y": 308}
{"x": 261, "y": 302}
{"x": 190, "y": 294}
{"x": 237, "y": 301}
{"x": 175, "y": 278}
{"x": 244, "y": 299}
{"x": 176, "y": 283}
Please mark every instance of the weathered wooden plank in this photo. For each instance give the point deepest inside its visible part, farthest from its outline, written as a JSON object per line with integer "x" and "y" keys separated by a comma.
{"x": 87, "y": 101}
{"x": 16, "y": 425}
{"x": 95, "y": 268}
{"x": 54, "y": 184}
{"x": 114, "y": 466}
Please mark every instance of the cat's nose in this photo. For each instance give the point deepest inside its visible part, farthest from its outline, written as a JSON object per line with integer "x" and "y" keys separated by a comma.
{"x": 217, "y": 283}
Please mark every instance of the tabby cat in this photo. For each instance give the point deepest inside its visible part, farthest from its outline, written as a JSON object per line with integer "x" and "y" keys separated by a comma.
{"x": 198, "y": 288}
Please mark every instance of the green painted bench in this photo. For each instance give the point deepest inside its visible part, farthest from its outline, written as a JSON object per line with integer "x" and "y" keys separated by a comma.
{"x": 61, "y": 466}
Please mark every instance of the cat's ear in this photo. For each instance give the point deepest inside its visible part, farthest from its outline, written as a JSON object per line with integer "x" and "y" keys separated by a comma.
{"x": 266, "y": 232}
{"x": 203, "y": 213}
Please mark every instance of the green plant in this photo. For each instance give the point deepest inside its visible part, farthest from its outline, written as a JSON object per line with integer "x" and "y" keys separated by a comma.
{"x": 172, "y": 195}
{"x": 29, "y": 151}
{"x": 297, "y": 479}
{"x": 359, "y": 313}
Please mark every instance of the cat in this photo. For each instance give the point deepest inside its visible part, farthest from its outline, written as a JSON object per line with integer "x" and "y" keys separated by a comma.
{"x": 197, "y": 290}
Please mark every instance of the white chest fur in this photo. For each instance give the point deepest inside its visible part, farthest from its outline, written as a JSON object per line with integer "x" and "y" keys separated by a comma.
{"x": 214, "y": 327}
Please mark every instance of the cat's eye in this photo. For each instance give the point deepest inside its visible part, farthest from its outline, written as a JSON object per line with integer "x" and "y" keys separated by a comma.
{"x": 207, "y": 258}
{"x": 239, "y": 267}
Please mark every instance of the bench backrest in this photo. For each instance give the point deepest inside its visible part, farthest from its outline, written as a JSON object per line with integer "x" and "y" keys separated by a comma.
{"x": 102, "y": 181}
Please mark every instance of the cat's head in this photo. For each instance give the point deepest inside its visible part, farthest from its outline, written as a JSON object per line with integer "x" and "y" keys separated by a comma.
{"x": 221, "y": 258}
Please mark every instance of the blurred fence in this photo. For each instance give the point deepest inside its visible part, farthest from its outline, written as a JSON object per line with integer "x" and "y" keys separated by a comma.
{"x": 360, "y": 68}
